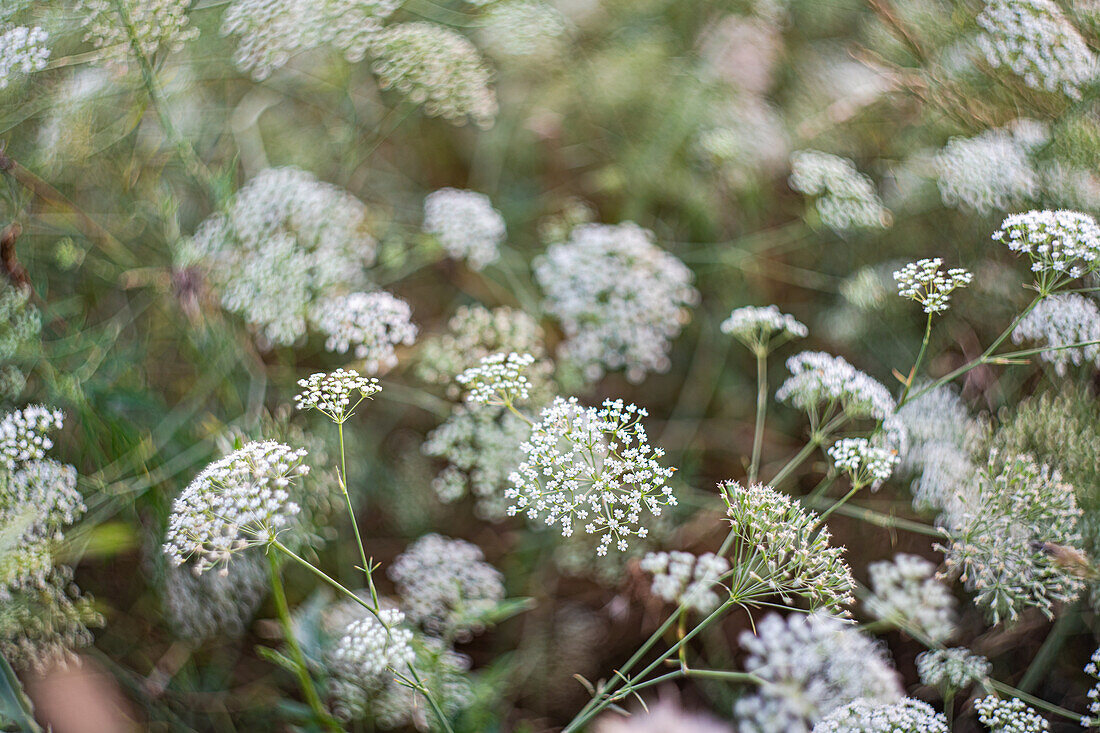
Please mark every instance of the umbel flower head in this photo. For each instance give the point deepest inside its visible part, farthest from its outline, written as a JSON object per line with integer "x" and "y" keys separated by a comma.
{"x": 332, "y": 393}
{"x": 688, "y": 580}
{"x": 153, "y": 23}
{"x": 1062, "y": 245}
{"x": 846, "y": 199}
{"x": 446, "y": 586}
{"x": 950, "y": 670}
{"x": 821, "y": 383}
{"x": 1062, "y": 320}
{"x": 372, "y": 325}
{"x": 906, "y": 593}
{"x": 239, "y": 501}
{"x": 864, "y": 716}
{"x": 23, "y": 434}
{"x": 522, "y": 28}
{"x": 369, "y": 651}
{"x": 992, "y": 170}
{"x": 786, "y": 550}
{"x": 1000, "y": 538}
{"x": 810, "y": 665}
{"x": 591, "y": 468}
{"x": 620, "y": 298}
{"x": 864, "y": 462}
{"x": 435, "y": 67}
{"x": 762, "y": 329}
{"x": 498, "y": 379}
{"x": 924, "y": 282}
{"x": 1009, "y": 716}
{"x": 1033, "y": 39}
{"x": 23, "y": 50}
{"x": 1092, "y": 670}
{"x": 284, "y": 242}
{"x": 466, "y": 224}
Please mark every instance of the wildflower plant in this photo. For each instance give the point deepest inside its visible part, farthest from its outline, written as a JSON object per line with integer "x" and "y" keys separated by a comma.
{"x": 907, "y": 593}
{"x": 332, "y": 393}
{"x": 828, "y": 387}
{"x": 1061, "y": 321}
{"x": 1062, "y": 245}
{"x": 25, "y": 51}
{"x": 498, "y": 380}
{"x": 926, "y": 283}
{"x": 688, "y": 580}
{"x": 1009, "y": 716}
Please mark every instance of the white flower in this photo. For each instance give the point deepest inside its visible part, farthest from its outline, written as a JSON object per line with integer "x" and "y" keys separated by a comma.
{"x": 864, "y": 716}
{"x": 620, "y": 298}
{"x": 1061, "y": 320}
{"x": 211, "y": 605}
{"x": 153, "y": 23}
{"x": 906, "y": 592}
{"x": 683, "y": 578}
{"x": 331, "y": 393}
{"x": 591, "y": 468}
{"x": 786, "y": 549}
{"x": 23, "y": 50}
{"x": 1009, "y": 716}
{"x": 522, "y": 28}
{"x": 446, "y": 585}
{"x": 367, "y": 654}
{"x": 241, "y": 500}
{"x": 864, "y": 462}
{"x": 272, "y": 31}
{"x": 371, "y": 325}
{"x": 1093, "y": 718}
{"x": 1059, "y": 243}
{"x": 819, "y": 379}
{"x": 1035, "y": 40}
{"x": 846, "y": 199}
{"x": 950, "y": 670}
{"x": 999, "y": 538}
{"x": 285, "y": 241}
{"x": 991, "y": 170}
{"x": 434, "y": 66}
{"x": 23, "y": 434}
{"x": 924, "y": 282}
{"x": 810, "y": 666}
{"x": 466, "y": 224}
{"x": 498, "y": 379}
{"x": 757, "y": 327}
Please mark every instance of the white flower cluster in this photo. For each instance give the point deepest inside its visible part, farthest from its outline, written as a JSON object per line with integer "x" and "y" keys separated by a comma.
{"x": 591, "y": 467}
{"x": 20, "y": 326}
{"x": 619, "y": 297}
{"x": 1057, "y": 242}
{"x": 23, "y": 434}
{"x": 436, "y": 67}
{"x": 475, "y": 332}
{"x": 757, "y": 327}
{"x": 466, "y": 224}
{"x": 522, "y": 28}
{"x": 683, "y": 578}
{"x": 1092, "y": 720}
{"x": 941, "y": 437}
{"x": 810, "y": 665}
{"x": 38, "y": 499}
{"x": 285, "y": 241}
{"x": 846, "y": 199}
{"x": 498, "y": 380}
{"x": 950, "y": 670}
{"x": 1034, "y": 39}
{"x": 924, "y": 282}
{"x": 1062, "y": 320}
{"x": 209, "y": 605}
{"x": 272, "y": 31}
{"x": 863, "y": 716}
{"x": 153, "y": 23}
{"x": 443, "y": 671}
{"x": 786, "y": 547}
{"x": 906, "y": 592}
{"x": 482, "y": 446}
{"x": 239, "y": 501}
{"x": 23, "y": 50}
{"x": 864, "y": 462}
{"x": 373, "y": 323}
{"x": 1009, "y": 716}
{"x": 446, "y": 586}
{"x": 331, "y": 393}
{"x": 992, "y": 170}
{"x": 999, "y": 538}
{"x": 369, "y": 646}
{"x": 819, "y": 379}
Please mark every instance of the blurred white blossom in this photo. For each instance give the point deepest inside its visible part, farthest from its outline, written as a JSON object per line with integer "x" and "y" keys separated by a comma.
{"x": 522, "y": 28}
{"x": 370, "y": 325}
{"x": 688, "y": 580}
{"x": 819, "y": 379}
{"x": 151, "y": 23}
{"x": 992, "y": 170}
{"x": 864, "y": 716}
{"x": 756, "y": 327}
{"x": 23, "y": 50}
{"x": 498, "y": 380}
{"x": 907, "y": 593}
{"x": 950, "y": 670}
{"x": 1059, "y": 321}
{"x": 844, "y": 198}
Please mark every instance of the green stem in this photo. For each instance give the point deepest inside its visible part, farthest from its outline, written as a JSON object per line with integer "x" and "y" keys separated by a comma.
{"x": 1004, "y": 689}
{"x": 1052, "y": 646}
{"x": 881, "y": 520}
{"x": 761, "y": 410}
{"x": 917, "y": 363}
{"x": 305, "y": 681}
{"x": 366, "y": 568}
{"x": 838, "y": 504}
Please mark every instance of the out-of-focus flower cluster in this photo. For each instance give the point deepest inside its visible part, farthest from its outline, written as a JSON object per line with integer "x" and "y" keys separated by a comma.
{"x": 498, "y": 380}
{"x": 466, "y": 224}
{"x": 906, "y": 592}
{"x": 756, "y": 327}
{"x": 941, "y": 440}
{"x": 819, "y": 380}
{"x": 522, "y": 28}
{"x": 1062, "y": 320}
{"x": 685, "y": 579}
{"x": 992, "y": 170}
{"x": 845, "y": 198}
{"x": 591, "y": 468}
{"x": 23, "y": 50}
{"x": 862, "y": 716}
{"x": 121, "y": 25}
{"x": 950, "y": 670}
{"x": 371, "y": 324}
{"x": 1009, "y": 716}
{"x": 1092, "y": 670}
{"x": 20, "y": 326}
{"x": 620, "y": 298}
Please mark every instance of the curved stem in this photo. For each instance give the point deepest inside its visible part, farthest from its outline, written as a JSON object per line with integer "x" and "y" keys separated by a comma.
{"x": 305, "y": 681}
{"x": 917, "y": 363}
